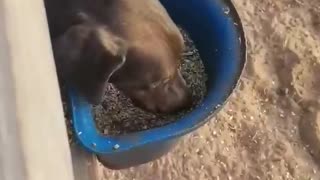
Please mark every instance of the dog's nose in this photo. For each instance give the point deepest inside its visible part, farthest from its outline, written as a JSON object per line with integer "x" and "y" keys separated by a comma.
{"x": 95, "y": 100}
{"x": 94, "y": 96}
{"x": 176, "y": 104}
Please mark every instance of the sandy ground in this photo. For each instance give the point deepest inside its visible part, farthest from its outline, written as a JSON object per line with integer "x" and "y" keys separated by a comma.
{"x": 269, "y": 128}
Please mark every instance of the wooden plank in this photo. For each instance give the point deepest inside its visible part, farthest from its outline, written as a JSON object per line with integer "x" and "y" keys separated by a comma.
{"x": 33, "y": 136}
{"x": 85, "y": 165}
{"x": 10, "y": 154}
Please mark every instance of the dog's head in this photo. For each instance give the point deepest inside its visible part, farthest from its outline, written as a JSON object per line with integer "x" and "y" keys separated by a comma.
{"x": 86, "y": 56}
{"x": 152, "y": 80}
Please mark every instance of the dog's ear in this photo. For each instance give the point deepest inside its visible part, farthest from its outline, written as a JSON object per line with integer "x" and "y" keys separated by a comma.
{"x": 67, "y": 50}
{"x": 86, "y": 57}
{"x": 106, "y": 50}
{"x": 90, "y": 49}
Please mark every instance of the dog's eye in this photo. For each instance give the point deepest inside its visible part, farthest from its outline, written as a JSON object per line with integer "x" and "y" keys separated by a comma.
{"x": 154, "y": 84}
{"x": 158, "y": 83}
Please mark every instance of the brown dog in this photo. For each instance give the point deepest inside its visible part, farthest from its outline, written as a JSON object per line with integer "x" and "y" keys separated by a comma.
{"x": 131, "y": 43}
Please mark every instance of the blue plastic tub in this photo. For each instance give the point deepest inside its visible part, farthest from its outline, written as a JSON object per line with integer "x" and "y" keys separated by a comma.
{"x": 215, "y": 27}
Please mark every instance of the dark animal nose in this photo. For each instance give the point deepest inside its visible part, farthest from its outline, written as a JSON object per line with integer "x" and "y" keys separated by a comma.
{"x": 95, "y": 96}
{"x": 175, "y": 104}
{"x": 94, "y": 100}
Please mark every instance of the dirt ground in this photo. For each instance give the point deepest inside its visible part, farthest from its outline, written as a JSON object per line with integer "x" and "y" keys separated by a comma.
{"x": 269, "y": 129}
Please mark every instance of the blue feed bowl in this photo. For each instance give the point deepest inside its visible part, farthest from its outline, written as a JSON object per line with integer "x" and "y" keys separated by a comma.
{"x": 216, "y": 30}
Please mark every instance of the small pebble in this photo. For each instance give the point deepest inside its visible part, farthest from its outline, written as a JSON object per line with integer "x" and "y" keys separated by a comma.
{"x": 184, "y": 155}
{"x": 117, "y": 146}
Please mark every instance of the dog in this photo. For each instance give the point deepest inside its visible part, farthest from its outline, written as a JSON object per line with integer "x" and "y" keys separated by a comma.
{"x": 133, "y": 44}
